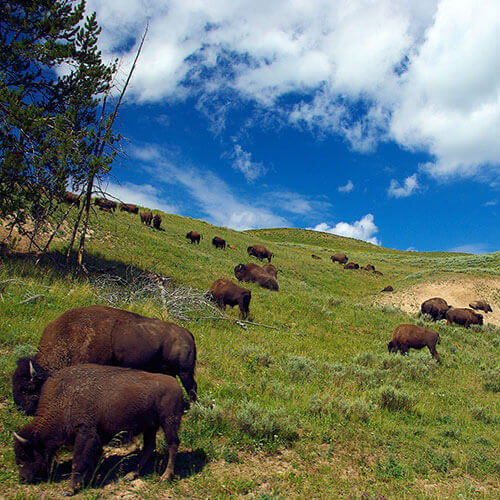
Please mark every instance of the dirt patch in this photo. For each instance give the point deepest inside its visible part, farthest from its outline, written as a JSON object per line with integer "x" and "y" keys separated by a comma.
{"x": 458, "y": 292}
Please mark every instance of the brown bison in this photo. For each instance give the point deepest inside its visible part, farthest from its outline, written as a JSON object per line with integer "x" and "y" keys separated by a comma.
{"x": 104, "y": 203}
{"x": 157, "y": 221}
{"x": 147, "y": 218}
{"x": 127, "y": 207}
{"x": 106, "y": 336}
{"x": 407, "y": 337}
{"x": 481, "y": 305}
{"x": 351, "y": 265}
{"x": 71, "y": 199}
{"x": 388, "y": 288}
{"x": 227, "y": 293}
{"x": 86, "y": 406}
{"x": 368, "y": 267}
{"x": 463, "y": 316}
{"x": 106, "y": 210}
{"x": 260, "y": 251}
{"x": 378, "y": 273}
{"x": 271, "y": 270}
{"x": 194, "y": 237}
{"x": 435, "y": 307}
{"x": 341, "y": 258}
{"x": 218, "y": 242}
{"x": 256, "y": 274}
{"x": 315, "y": 257}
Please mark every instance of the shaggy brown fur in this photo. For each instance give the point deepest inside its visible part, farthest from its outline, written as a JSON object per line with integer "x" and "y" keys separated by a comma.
{"x": 260, "y": 251}
{"x": 107, "y": 336}
{"x": 255, "y": 274}
{"x": 369, "y": 267}
{"x": 351, "y": 265}
{"x": 341, "y": 258}
{"x": 194, "y": 237}
{"x": 378, "y": 273}
{"x": 481, "y": 305}
{"x": 271, "y": 270}
{"x": 147, "y": 218}
{"x": 406, "y": 337}
{"x": 227, "y": 293}
{"x": 388, "y": 288}
{"x": 435, "y": 307}
{"x": 218, "y": 242}
{"x": 72, "y": 199}
{"x": 463, "y": 317}
{"x": 104, "y": 203}
{"x": 126, "y": 207}
{"x": 157, "y": 221}
{"x": 86, "y": 406}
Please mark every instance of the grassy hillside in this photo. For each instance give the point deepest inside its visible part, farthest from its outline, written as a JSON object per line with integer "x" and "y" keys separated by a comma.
{"x": 315, "y": 407}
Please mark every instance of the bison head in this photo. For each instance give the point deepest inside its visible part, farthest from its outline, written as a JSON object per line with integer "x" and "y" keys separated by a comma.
{"x": 392, "y": 346}
{"x": 27, "y": 383}
{"x": 30, "y": 458}
{"x": 239, "y": 271}
{"x": 250, "y": 250}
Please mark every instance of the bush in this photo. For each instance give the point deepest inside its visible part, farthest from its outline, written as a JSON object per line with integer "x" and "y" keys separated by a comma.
{"x": 365, "y": 359}
{"x": 356, "y": 409}
{"x": 492, "y": 380}
{"x": 254, "y": 358}
{"x": 301, "y": 367}
{"x": 395, "y": 400}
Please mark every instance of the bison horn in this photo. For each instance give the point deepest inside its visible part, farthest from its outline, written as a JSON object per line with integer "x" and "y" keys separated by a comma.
{"x": 19, "y": 438}
{"x": 32, "y": 371}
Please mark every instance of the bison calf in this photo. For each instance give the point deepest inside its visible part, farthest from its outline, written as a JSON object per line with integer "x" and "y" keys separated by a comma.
{"x": 463, "y": 316}
{"x": 157, "y": 221}
{"x": 435, "y": 307}
{"x": 86, "y": 406}
{"x": 226, "y": 292}
{"x": 481, "y": 305}
{"x": 406, "y": 337}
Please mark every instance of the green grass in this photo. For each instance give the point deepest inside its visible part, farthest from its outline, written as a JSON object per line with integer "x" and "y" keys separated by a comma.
{"x": 316, "y": 408}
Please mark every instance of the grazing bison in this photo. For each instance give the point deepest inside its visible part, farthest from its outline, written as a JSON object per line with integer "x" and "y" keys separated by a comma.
{"x": 194, "y": 237}
{"x": 368, "y": 267}
{"x": 435, "y": 307}
{"x": 351, "y": 265}
{"x": 227, "y": 293}
{"x": 86, "y": 406}
{"x": 388, "y": 288}
{"x": 71, "y": 199}
{"x": 341, "y": 258}
{"x": 260, "y": 251}
{"x": 256, "y": 274}
{"x": 315, "y": 257}
{"x": 126, "y": 207}
{"x": 407, "y": 337}
{"x": 106, "y": 336}
{"x": 104, "y": 203}
{"x": 157, "y": 221}
{"x": 218, "y": 242}
{"x": 481, "y": 305}
{"x": 105, "y": 210}
{"x": 378, "y": 273}
{"x": 146, "y": 218}
{"x": 271, "y": 270}
{"x": 463, "y": 316}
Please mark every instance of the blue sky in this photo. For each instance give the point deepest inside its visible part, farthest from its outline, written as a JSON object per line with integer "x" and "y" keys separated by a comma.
{"x": 375, "y": 120}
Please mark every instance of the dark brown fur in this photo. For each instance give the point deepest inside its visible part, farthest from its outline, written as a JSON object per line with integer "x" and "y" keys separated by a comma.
{"x": 255, "y": 274}
{"x": 72, "y": 199}
{"x": 407, "y": 337}
{"x": 194, "y": 237}
{"x": 227, "y": 293}
{"x": 388, "y": 288}
{"x": 147, "y": 218}
{"x": 126, "y": 207}
{"x": 105, "y": 210}
{"x": 271, "y": 270}
{"x": 315, "y": 257}
{"x": 378, "y": 273}
{"x": 157, "y": 221}
{"x": 104, "y": 203}
{"x": 341, "y": 258}
{"x": 219, "y": 242}
{"x": 86, "y": 406}
{"x": 369, "y": 267}
{"x": 107, "y": 336}
{"x": 463, "y": 317}
{"x": 435, "y": 307}
{"x": 260, "y": 251}
{"x": 351, "y": 265}
{"x": 481, "y": 305}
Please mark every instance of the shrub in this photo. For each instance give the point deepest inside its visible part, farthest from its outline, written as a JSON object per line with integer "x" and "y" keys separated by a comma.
{"x": 301, "y": 367}
{"x": 254, "y": 358}
{"x": 365, "y": 359}
{"x": 355, "y": 409}
{"x": 395, "y": 400}
{"x": 492, "y": 380}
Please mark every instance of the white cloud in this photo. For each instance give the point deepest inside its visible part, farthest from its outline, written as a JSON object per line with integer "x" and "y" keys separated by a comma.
{"x": 296, "y": 203}
{"x": 491, "y": 203}
{"x": 410, "y": 185}
{"x": 363, "y": 229}
{"x": 242, "y": 161}
{"x": 347, "y": 188}
{"x": 475, "y": 248}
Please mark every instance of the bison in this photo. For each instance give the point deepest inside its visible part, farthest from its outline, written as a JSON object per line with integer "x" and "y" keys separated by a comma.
{"x": 368, "y": 267}
{"x": 407, "y": 337}
{"x": 256, "y": 274}
{"x": 157, "y": 221}
{"x": 378, "y": 273}
{"x": 260, "y": 251}
{"x": 86, "y": 406}
{"x": 481, "y": 305}
{"x": 194, "y": 237}
{"x": 226, "y": 293}
{"x": 106, "y": 336}
{"x": 435, "y": 307}
{"x": 104, "y": 203}
{"x": 341, "y": 258}
{"x": 147, "y": 218}
{"x": 218, "y": 242}
{"x": 463, "y": 316}
{"x": 351, "y": 265}
{"x": 126, "y": 207}
{"x": 388, "y": 288}
{"x": 271, "y": 270}
{"x": 71, "y": 199}
{"x": 315, "y": 257}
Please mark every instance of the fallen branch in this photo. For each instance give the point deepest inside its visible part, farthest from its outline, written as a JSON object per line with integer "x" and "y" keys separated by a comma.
{"x": 31, "y": 299}
{"x": 237, "y": 321}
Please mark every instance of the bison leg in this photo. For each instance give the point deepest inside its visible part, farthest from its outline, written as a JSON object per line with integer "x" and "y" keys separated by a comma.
{"x": 432, "y": 349}
{"x": 171, "y": 438}
{"x": 189, "y": 384}
{"x": 86, "y": 450}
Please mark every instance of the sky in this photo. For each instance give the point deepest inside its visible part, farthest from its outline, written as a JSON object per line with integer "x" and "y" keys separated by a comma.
{"x": 373, "y": 119}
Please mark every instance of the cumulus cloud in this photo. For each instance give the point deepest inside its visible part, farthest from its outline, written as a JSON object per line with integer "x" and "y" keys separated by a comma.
{"x": 242, "y": 161}
{"x": 363, "y": 229}
{"x": 347, "y": 188}
{"x": 410, "y": 185}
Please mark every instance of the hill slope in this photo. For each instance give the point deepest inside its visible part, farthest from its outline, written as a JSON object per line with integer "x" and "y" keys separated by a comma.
{"x": 313, "y": 407}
